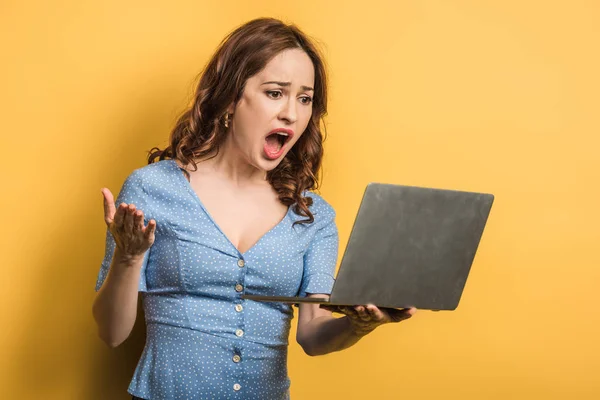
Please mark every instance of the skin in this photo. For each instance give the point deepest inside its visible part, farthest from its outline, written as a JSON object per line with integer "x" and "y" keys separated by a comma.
{"x": 280, "y": 96}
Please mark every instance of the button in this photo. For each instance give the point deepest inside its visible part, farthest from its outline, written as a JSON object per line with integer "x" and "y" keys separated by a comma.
{"x": 239, "y": 288}
{"x": 238, "y": 308}
{"x": 237, "y": 359}
{"x": 239, "y": 333}
{"x": 241, "y": 263}
{"x": 237, "y": 387}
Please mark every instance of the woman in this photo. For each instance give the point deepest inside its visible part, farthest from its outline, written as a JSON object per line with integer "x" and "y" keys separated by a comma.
{"x": 227, "y": 209}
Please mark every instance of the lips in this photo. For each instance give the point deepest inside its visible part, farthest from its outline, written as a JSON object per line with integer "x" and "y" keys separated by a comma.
{"x": 275, "y": 142}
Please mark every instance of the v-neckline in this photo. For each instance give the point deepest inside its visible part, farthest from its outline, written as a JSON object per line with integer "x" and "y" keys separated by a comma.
{"x": 188, "y": 186}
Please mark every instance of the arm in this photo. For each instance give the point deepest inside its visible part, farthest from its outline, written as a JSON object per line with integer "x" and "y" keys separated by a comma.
{"x": 320, "y": 333}
{"x": 115, "y": 305}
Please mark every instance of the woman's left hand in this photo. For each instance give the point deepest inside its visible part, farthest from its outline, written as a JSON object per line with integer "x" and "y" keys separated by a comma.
{"x": 364, "y": 319}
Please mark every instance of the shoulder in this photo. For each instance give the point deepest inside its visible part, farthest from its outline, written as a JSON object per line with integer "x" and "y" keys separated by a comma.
{"x": 152, "y": 174}
{"x": 145, "y": 182}
{"x": 144, "y": 186}
{"x": 322, "y": 210}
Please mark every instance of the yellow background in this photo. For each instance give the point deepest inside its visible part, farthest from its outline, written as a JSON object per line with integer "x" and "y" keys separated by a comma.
{"x": 494, "y": 96}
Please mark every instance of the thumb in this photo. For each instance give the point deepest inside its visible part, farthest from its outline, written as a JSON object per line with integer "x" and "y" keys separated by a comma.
{"x": 109, "y": 206}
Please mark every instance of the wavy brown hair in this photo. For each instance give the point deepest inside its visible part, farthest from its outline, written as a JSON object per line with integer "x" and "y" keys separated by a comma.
{"x": 244, "y": 52}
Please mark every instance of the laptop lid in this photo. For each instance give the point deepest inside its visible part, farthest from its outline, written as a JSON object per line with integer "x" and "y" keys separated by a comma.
{"x": 411, "y": 247}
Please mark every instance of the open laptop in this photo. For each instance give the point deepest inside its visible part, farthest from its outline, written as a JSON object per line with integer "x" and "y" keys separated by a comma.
{"x": 409, "y": 247}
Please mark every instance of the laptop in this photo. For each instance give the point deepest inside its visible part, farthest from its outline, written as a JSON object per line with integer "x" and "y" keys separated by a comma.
{"x": 409, "y": 247}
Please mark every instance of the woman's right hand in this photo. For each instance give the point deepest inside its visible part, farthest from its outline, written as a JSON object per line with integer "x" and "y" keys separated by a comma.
{"x": 126, "y": 224}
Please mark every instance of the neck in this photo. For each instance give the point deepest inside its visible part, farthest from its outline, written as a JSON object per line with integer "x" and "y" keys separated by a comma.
{"x": 230, "y": 164}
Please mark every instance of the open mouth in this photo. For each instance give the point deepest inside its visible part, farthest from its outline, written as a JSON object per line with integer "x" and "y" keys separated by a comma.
{"x": 275, "y": 141}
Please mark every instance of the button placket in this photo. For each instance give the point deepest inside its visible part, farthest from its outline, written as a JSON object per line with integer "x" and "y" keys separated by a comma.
{"x": 239, "y": 331}
{"x": 239, "y": 287}
{"x": 237, "y": 370}
{"x": 238, "y": 316}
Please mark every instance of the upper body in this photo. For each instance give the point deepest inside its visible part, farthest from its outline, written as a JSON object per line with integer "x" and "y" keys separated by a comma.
{"x": 194, "y": 274}
{"x": 232, "y": 203}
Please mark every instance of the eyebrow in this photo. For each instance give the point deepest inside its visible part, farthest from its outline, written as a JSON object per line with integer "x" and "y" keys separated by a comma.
{"x": 288, "y": 84}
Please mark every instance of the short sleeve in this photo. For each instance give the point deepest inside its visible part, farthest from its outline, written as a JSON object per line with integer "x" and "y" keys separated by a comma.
{"x": 132, "y": 191}
{"x": 320, "y": 258}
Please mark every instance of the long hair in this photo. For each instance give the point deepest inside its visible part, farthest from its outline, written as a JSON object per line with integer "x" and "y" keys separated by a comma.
{"x": 243, "y": 53}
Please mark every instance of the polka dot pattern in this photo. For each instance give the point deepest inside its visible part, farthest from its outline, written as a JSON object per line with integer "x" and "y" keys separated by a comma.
{"x": 203, "y": 340}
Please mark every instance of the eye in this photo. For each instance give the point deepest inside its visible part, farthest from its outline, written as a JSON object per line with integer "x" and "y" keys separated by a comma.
{"x": 306, "y": 100}
{"x": 274, "y": 94}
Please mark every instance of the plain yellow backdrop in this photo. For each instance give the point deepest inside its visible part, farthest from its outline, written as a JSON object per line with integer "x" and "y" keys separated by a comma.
{"x": 494, "y": 96}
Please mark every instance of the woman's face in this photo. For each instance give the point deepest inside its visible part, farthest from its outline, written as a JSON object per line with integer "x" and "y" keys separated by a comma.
{"x": 277, "y": 99}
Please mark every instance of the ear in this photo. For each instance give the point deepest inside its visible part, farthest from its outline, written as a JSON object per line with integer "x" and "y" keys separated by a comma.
{"x": 231, "y": 108}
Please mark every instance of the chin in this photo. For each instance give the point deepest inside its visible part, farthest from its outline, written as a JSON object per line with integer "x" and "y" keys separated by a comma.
{"x": 267, "y": 165}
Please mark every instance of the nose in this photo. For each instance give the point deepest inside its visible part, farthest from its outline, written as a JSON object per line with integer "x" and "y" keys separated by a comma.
{"x": 288, "y": 112}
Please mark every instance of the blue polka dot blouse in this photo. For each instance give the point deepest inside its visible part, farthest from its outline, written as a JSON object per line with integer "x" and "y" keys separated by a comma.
{"x": 203, "y": 340}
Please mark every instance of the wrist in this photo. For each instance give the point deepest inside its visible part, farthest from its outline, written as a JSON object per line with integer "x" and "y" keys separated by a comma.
{"x": 127, "y": 260}
{"x": 356, "y": 330}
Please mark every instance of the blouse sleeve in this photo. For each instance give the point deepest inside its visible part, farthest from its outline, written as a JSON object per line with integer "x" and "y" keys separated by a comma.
{"x": 320, "y": 258}
{"x": 132, "y": 191}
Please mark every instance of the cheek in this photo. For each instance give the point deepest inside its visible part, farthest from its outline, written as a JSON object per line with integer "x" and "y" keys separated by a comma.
{"x": 306, "y": 116}
{"x": 247, "y": 118}
{"x": 258, "y": 102}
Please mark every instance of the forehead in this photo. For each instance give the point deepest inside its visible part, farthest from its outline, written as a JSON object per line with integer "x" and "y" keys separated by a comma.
{"x": 292, "y": 65}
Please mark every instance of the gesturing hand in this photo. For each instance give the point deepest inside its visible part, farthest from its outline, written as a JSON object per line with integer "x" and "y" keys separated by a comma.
{"x": 365, "y": 319}
{"x": 126, "y": 224}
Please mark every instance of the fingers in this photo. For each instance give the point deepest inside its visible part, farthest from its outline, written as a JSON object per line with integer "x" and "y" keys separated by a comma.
{"x": 138, "y": 221}
{"x": 149, "y": 232}
{"x": 131, "y": 220}
{"x": 120, "y": 215}
{"x": 138, "y": 226}
{"x": 109, "y": 206}
{"x": 375, "y": 313}
{"x": 362, "y": 313}
{"x": 401, "y": 315}
{"x": 371, "y": 314}
{"x": 350, "y": 312}
{"x": 126, "y": 224}
{"x": 383, "y": 315}
{"x": 360, "y": 318}
{"x": 129, "y": 217}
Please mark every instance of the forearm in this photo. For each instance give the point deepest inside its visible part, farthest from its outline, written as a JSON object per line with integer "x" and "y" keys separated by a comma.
{"x": 115, "y": 305}
{"x": 328, "y": 334}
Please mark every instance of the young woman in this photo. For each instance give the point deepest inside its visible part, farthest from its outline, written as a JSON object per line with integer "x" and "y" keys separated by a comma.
{"x": 229, "y": 208}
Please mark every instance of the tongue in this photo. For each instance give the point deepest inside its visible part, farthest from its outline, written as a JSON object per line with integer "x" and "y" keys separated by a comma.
{"x": 273, "y": 145}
